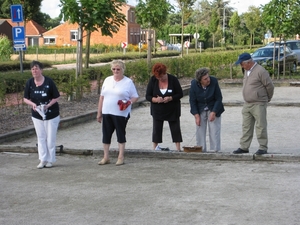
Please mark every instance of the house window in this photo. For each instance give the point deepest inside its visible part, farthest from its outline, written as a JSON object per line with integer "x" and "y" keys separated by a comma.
{"x": 134, "y": 35}
{"x": 49, "y": 40}
{"x": 74, "y": 35}
{"x": 33, "y": 41}
{"x": 132, "y": 16}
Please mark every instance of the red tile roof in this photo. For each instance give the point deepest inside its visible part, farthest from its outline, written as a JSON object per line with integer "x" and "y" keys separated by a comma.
{"x": 32, "y": 27}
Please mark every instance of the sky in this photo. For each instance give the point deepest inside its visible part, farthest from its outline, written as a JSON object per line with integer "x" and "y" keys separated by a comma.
{"x": 52, "y": 8}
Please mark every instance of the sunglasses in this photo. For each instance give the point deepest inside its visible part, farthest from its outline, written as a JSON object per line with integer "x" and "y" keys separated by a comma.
{"x": 117, "y": 69}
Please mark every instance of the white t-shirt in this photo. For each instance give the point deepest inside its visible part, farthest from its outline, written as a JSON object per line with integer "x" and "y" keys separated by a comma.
{"x": 113, "y": 91}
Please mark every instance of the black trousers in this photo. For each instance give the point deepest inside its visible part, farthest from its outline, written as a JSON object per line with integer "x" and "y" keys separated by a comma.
{"x": 158, "y": 130}
{"x": 110, "y": 123}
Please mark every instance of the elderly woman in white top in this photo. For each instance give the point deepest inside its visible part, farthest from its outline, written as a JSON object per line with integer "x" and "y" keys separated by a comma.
{"x": 117, "y": 94}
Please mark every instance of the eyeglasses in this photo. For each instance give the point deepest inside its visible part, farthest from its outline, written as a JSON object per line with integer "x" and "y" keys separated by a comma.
{"x": 117, "y": 69}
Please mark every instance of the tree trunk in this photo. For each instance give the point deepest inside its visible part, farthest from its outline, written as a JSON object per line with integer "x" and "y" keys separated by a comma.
{"x": 181, "y": 52}
{"x": 87, "y": 50}
{"x": 149, "y": 50}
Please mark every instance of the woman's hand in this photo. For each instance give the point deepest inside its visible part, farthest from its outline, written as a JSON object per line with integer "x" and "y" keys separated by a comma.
{"x": 159, "y": 99}
{"x": 167, "y": 99}
{"x": 99, "y": 118}
{"x": 197, "y": 119}
{"x": 34, "y": 106}
{"x": 212, "y": 116}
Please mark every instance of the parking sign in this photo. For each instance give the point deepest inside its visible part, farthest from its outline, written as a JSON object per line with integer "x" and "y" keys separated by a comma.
{"x": 19, "y": 38}
{"x": 16, "y": 13}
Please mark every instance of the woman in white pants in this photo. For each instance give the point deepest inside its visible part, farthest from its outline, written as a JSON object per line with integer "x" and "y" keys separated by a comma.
{"x": 207, "y": 107}
{"x": 42, "y": 95}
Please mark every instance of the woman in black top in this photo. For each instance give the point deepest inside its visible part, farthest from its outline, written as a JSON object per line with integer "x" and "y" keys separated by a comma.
{"x": 42, "y": 95}
{"x": 164, "y": 92}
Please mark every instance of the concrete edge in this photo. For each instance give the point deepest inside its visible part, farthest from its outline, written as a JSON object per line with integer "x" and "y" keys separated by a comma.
{"x": 138, "y": 153}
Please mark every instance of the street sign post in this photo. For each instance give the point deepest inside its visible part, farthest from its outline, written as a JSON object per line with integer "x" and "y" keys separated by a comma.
{"x": 196, "y": 36}
{"x": 16, "y": 13}
{"x": 187, "y": 45}
{"x": 19, "y": 38}
{"x": 124, "y": 46}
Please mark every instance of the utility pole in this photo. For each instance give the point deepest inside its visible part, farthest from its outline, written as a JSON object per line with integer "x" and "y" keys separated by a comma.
{"x": 224, "y": 20}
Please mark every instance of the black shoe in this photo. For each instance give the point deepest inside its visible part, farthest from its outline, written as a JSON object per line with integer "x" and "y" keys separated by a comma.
{"x": 240, "y": 151}
{"x": 261, "y": 152}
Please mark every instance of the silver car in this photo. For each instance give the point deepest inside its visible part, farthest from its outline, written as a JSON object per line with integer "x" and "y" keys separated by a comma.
{"x": 264, "y": 56}
{"x": 294, "y": 45}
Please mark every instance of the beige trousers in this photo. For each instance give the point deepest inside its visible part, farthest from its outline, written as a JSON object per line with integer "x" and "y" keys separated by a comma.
{"x": 254, "y": 115}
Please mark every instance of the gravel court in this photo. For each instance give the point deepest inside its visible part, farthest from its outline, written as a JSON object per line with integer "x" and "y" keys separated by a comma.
{"x": 147, "y": 191}
{"x": 283, "y": 130}
{"x": 158, "y": 191}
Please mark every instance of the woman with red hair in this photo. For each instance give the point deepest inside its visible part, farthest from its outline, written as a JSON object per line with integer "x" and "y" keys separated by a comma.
{"x": 164, "y": 92}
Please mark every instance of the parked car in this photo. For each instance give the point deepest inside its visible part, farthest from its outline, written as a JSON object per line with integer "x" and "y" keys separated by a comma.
{"x": 176, "y": 47}
{"x": 294, "y": 45}
{"x": 264, "y": 56}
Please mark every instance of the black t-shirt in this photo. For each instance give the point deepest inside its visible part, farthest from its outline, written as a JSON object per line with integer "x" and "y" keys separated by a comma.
{"x": 42, "y": 95}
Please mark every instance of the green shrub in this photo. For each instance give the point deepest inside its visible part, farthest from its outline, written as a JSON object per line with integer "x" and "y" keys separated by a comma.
{"x": 5, "y": 48}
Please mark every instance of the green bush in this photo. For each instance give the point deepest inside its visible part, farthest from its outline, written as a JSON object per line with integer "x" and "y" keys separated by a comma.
{"x": 5, "y": 48}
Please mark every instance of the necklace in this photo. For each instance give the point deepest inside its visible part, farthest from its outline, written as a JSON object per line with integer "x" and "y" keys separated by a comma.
{"x": 39, "y": 83}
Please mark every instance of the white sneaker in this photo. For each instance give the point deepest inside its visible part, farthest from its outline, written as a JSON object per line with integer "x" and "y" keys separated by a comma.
{"x": 157, "y": 148}
{"x": 48, "y": 165}
{"x": 41, "y": 165}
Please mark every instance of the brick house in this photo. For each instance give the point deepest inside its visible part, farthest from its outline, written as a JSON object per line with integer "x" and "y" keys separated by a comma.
{"x": 33, "y": 32}
{"x": 5, "y": 29}
{"x": 66, "y": 34}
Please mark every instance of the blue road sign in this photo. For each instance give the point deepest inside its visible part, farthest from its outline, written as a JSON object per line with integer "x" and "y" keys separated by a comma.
{"x": 19, "y": 38}
{"x": 16, "y": 13}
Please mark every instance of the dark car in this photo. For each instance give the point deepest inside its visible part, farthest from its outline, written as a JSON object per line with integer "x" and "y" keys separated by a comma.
{"x": 294, "y": 45}
{"x": 264, "y": 56}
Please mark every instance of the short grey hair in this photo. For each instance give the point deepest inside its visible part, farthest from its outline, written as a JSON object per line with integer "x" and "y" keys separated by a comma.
{"x": 201, "y": 73}
{"x": 119, "y": 63}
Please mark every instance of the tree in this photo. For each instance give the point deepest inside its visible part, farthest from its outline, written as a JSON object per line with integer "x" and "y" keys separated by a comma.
{"x": 282, "y": 17}
{"x": 152, "y": 14}
{"x": 234, "y": 24}
{"x": 252, "y": 20}
{"x": 46, "y": 21}
{"x": 91, "y": 16}
{"x": 213, "y": 25}
{"x": 204, "y": 15}
{"x": 185, "y": 7}
{"x": 30, "y": 8}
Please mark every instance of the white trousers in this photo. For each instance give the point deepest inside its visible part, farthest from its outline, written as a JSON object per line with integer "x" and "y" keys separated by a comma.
{"x": 46, "y": 131}
{"x": 214, "y": 129}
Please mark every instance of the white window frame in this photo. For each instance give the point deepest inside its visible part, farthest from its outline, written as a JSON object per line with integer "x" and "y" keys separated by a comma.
{"x": 47, "y": 40}
{"x": 75, "y": 34}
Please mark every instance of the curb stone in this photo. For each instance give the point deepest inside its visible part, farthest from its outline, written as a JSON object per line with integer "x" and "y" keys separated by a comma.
{"x": 137, "y": 153}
